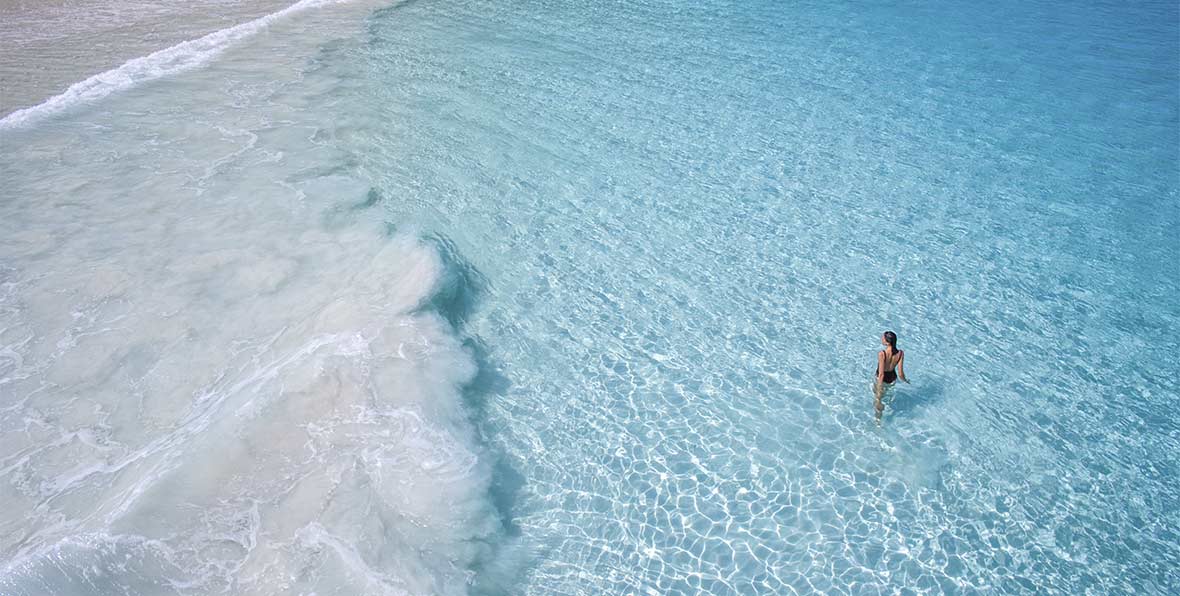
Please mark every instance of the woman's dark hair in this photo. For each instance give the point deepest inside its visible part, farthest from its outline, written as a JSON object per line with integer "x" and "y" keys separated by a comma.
{"x": 891, "y": 337}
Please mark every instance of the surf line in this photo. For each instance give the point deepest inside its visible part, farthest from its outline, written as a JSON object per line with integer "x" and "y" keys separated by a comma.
{"x": 172, "y": 60}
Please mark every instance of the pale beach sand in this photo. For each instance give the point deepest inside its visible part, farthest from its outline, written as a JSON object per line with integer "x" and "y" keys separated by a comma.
{"x": 47, "y": 45}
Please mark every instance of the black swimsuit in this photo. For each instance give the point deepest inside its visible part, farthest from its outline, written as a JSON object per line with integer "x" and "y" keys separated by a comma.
{"x": 890, "y": 375}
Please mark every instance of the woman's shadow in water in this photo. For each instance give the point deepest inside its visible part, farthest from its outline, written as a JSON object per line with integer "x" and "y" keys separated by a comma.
{"x": 458, "y": 296}
{"x": 909, "y": 398}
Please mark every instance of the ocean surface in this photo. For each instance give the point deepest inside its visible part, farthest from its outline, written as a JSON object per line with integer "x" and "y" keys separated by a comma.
{"x": 547, "y": 297}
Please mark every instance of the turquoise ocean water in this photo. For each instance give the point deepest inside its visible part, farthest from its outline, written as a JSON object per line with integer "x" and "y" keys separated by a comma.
{"x": 569, "y": 298}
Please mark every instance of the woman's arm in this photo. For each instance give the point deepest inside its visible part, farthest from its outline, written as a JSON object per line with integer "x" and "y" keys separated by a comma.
{"x": 881, "y": 367}
{"x": 901, "y": 367}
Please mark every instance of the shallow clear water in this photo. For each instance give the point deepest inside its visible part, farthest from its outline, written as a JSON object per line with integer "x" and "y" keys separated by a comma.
{"x": 554, "y": 299}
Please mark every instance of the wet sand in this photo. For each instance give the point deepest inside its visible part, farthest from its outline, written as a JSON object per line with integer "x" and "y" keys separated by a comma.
{"x": 47, "y": 45}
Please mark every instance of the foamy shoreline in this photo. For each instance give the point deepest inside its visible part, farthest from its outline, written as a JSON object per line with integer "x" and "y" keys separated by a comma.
{"x": 312, "y": 434}
{"x": 49, "y": 45}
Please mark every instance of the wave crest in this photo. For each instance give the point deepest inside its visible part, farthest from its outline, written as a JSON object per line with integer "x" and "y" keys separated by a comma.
{"x": 169, "y": 61}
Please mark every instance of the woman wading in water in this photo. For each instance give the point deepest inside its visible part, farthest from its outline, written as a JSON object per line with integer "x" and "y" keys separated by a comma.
{"x": 890, "y": 366}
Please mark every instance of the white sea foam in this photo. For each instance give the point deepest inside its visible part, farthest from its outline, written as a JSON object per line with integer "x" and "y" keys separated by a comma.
{"x": 218, "y": 371}
{"x": 336, "y": 445}
{"x": 169, "y": 61}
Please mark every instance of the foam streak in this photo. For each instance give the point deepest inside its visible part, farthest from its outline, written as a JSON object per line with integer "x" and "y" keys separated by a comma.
{"x": 169, "y": 61}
